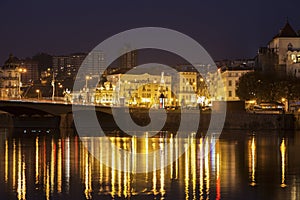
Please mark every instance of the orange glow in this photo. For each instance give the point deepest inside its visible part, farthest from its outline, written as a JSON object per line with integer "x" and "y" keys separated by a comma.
{"x": 37, "y": 160}
{"x": 218, "y": 184}
{"x": 252, "y": 160}
{"x": 6, "y": 160}
{"x": 283, "y": 163}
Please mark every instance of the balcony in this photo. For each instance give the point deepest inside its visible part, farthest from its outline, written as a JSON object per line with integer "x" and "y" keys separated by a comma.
{"x": 10, "y": 78}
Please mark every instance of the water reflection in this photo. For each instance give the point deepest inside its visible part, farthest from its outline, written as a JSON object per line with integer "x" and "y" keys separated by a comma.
{"x": 21, "y": 186}
{"x": 252, "y": 159}
{"x": 283, "y": 162}
{"x": 56, "y": 167}
{"x": 6, "y": 161}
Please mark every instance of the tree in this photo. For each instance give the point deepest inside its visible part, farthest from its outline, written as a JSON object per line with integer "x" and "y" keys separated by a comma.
{"x": 249, "y": 86}
{"x": 262, "y": 87}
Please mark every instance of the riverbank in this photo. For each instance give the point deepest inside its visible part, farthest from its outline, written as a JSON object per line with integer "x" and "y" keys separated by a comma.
{"x": 233, "y": 121}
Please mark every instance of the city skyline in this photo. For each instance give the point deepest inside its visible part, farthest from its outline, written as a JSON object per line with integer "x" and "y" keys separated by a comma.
{"x": 79, "y": 27}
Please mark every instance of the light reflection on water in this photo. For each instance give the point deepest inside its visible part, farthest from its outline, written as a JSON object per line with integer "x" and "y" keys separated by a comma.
{"x": 238, "y": 165}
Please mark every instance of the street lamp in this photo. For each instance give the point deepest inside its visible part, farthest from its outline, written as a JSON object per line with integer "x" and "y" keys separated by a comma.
{"x": 53, "y": 85}
{"x": 86, "y": 85}
{"x": 38, "y": 93}
{"x": 21, "y": 70}
{"x": 86, "y": 80}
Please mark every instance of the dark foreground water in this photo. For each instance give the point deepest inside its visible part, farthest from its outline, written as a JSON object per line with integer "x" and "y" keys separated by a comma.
{"x": 241, "y": 165}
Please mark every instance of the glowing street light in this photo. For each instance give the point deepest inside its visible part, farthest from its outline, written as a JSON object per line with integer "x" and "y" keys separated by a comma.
{"x": 20, "y": 70}
{"x": 87, "y": 78}
{"x": 52, "y": 84}
{"x": 38, "y": 93}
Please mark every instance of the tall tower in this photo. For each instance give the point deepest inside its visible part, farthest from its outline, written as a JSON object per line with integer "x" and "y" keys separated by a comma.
{"x": 32, "y": 72}
{"x": 96, "y": 63}
{"x": 128, "y": 60}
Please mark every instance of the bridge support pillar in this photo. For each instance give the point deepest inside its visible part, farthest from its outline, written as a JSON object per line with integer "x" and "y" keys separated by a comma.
{"x": 6, "y": 120}
{"x": 66, "y": 120}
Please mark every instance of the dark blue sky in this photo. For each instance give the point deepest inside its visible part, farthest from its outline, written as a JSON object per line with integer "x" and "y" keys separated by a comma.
{"x": 227, "y": 29}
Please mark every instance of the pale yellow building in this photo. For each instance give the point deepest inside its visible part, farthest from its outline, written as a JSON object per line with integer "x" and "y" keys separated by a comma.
{"x": 141, "y": 90}
{"x": 293, "y": 63}
{"x": 185, "y": 89}
{"x": 282, "y": 54}
{"x": 10, "y": 79}
{"x": 104, "y": 94}
{"x": 223, "y": 83}
{"x": 285, "y": 40}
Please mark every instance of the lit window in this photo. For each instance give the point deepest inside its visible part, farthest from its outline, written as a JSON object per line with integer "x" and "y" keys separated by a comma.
{"x": 298, "y": 59}
{"x": 293, "y": 58}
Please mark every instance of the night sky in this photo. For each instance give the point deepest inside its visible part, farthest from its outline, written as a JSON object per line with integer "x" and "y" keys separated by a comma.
{"x": 227, "y": 29}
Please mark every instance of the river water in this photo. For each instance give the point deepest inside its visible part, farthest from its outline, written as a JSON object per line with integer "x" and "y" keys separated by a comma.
{"x": 46, "y": 164}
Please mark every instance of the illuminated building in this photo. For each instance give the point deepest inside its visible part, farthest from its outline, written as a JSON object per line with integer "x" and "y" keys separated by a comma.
{"x": 226, "y": 80}
{"x": 293, "y": 62}
{"x": 104, "y": 94}
{"x": 140, "y": 89}
{"x": 190, "y": 86}
{"x": 96, "y": 63}
{"x": 128, "y": 60}
{"x": 10, "y": 79}
{"x": 186, "y": 88}
{"x": 282, "y": 54}
{"x": 32, "y": 71}
{"x": 67, "y": 66}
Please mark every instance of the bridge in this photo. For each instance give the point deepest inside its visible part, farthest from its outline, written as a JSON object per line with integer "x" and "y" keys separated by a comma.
{"x": 59, "y": 114}
{"x": 45, "y": 113}
{"x": 29, "y": 108}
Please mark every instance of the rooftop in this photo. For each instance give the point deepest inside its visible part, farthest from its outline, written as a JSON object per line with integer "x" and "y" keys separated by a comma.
{"x": 287, "y": 31}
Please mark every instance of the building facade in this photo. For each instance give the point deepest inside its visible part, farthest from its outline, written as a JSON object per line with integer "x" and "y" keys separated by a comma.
{"x": 224, "y": 82}
{"x": 141, "y": 90}
{"x": 185, "y": 88}
{"x": 67, "y": 66}
{"x": 128, "y": 59}
{"x": 190, "y": 86}
{"x": 96, "y": 63}
{"x": 32, "y": 72}
{"x": 280, "y": 55}
{"x": 10, "y": 78}
{"x": 293, "y": 62}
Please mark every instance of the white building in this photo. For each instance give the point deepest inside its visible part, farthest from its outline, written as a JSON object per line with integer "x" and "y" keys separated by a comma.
{"x": 293, "y": 63}
{"x": 140, "y": 89}
{"x": 10, "y": 80}
{"x": 223, "y": 83}
{"x": 185, "y": 88}
{"x": 282, "y": 54}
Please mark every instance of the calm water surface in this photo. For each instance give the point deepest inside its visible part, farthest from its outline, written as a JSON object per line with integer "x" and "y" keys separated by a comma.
{"x": 241, "y": 165}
